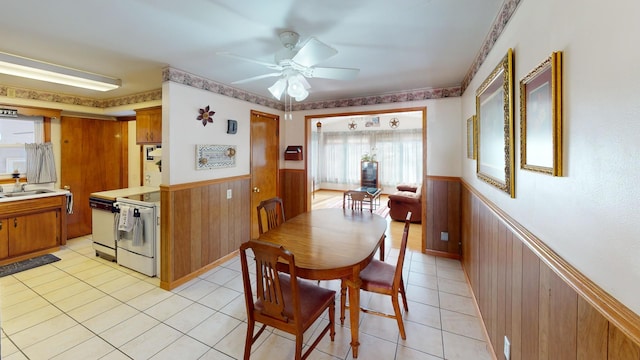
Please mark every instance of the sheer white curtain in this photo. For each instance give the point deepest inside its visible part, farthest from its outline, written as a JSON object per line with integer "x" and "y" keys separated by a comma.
{"x": 41, "y": 167}
{"x": 398, "y": 152}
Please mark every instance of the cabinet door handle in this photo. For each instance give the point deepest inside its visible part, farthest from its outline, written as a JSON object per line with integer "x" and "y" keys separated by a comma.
{"x": 0, "y": 225}
{"x": 15, "y": 222}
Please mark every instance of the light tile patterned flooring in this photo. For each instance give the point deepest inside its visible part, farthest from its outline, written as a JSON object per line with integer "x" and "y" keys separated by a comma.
{"x": 84, "y": 307}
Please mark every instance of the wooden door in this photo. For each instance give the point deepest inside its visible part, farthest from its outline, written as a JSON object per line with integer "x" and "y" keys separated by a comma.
{"x": 93, "y": 158}
{"x": 264, "y": 162}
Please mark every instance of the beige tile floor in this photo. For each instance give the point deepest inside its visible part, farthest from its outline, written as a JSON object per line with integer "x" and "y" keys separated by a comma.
{"x": 84, "y": 307}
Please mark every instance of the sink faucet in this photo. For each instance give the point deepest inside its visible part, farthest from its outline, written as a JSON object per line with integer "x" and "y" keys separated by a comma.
{"x": 24, "y": 186}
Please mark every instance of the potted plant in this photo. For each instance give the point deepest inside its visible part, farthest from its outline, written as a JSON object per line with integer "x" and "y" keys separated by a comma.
{"x": 368, "y": 157}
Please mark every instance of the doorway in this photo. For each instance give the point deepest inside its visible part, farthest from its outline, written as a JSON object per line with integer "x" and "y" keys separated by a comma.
{"x": 360, "y": 124}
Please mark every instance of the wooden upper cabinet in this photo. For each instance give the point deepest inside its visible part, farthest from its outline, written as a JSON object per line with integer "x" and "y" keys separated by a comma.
{"x": 149, "y": 126}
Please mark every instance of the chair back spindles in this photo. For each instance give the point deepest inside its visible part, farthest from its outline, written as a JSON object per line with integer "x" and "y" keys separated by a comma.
{"x": 397, "y": 279}
{"x": 268, "y": 289}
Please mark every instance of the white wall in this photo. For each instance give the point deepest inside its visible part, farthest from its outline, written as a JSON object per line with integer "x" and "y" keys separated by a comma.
{"x": 444, "y": 145}
{"x": 134, "y": 156}
{"x": 181, "y": 132}
{"x": 590, "y": 216}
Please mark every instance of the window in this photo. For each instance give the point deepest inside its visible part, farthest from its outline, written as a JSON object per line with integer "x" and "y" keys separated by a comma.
{"x": 14, "y": 133}
{"x": 399, "y": 153}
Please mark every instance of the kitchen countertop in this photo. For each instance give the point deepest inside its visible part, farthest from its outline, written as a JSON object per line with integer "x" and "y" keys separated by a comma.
{"x": 29, "y": 195}
{"x": 132, "y": 191}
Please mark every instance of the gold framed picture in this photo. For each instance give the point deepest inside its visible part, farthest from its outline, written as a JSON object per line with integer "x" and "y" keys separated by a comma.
{"x": 471, "y": 137}
{"x": 541, "y": 117}
{"x": 494, "y": 111}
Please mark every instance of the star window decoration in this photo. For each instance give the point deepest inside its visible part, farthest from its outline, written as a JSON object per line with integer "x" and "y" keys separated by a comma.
{"x": 205, "y": 116}
{"x": 352, "y": 125}
{"x": 394, "y": 123}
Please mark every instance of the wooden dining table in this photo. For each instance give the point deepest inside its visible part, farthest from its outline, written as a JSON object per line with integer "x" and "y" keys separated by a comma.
{"x": 330, "y": 244}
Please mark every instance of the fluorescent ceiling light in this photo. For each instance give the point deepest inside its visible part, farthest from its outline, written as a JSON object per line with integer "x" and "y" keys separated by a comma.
{"x": 38, "y": 70}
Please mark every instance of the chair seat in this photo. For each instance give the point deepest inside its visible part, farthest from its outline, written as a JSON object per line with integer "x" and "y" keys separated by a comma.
{"x": 378, "y": 275}
{"x": 315, "y": 299}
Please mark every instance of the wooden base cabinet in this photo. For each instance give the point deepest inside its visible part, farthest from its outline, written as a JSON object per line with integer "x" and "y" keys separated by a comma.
{"x": 34, "y": 232}
{"x": 4, "y": 238}
{"x": 31, "y": 227}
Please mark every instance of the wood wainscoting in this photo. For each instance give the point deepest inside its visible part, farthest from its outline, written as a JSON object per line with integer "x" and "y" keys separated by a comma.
{"x": 201, "y": 227}
{"x": 292, "y": 191}
{"x": 443, "y": 215}
{"x": 526, "y": 292}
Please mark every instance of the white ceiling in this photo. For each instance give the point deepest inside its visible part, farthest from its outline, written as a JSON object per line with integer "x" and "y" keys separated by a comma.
{"x": 397, "y": 45}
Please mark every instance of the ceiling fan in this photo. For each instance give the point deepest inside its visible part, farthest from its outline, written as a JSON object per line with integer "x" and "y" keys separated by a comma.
{"x": 295, "y": 64}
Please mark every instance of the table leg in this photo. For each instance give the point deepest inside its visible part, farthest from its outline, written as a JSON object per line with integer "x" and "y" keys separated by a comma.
{"x": 354, "y": 310}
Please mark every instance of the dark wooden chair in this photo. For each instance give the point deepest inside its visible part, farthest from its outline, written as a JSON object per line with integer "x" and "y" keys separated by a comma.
{"x": 384, "y": 278}
{"x": 274, "y": 211}
{"x": 282, "y": 301}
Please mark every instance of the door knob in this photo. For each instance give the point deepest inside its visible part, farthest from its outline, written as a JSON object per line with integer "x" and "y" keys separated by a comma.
{"x": 256, "y": 189}
{"x": 67, "y": 187}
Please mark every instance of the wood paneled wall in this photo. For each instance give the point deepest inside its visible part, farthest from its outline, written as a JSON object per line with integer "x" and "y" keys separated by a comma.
{"x": 292, "y": 185}
{"x": 443, "y": 215}
{"x": 200, "y": 226}
{"x": 525, "y": 292}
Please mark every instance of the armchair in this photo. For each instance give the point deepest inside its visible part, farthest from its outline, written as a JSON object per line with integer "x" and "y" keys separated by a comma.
{"x": 406, "y": 198}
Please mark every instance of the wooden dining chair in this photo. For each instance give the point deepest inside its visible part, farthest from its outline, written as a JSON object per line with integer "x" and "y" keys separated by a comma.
{"x": 383, "y": 278}
{"x": 274, "y": 211}
{"x": 354, "y": 199}
{"x": 282, "y": 301}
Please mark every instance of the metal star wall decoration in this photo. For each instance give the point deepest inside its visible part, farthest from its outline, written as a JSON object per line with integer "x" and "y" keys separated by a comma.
{"x": 352, "y": 125}
{"x": 205, "y": 115}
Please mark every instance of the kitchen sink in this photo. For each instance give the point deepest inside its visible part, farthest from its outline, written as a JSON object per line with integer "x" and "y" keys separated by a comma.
{"x": 25, "y": 193}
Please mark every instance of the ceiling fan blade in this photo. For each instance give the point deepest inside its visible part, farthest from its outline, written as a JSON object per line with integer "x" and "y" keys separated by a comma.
{"x": 257, "y": 78}
{"x": 334, "y": 73}
{"x": 313, "y": 52}
{"x": 264, "y": 63}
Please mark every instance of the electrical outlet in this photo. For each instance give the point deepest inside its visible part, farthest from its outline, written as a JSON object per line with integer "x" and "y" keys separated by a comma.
{"x": 229, "y": 194}
{"x": 507, "y": 348}
{"x": 444, "y": 236}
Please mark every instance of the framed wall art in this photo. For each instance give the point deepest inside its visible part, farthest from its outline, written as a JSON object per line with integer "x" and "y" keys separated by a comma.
{"x": 494, "y": 111}
{"x": 541, "y": 117}
{"x": 215, "y": 156}
{"x": 471, "y": 137}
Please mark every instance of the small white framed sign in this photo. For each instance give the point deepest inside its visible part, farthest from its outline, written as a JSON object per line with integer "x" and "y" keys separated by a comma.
{"x": 215, "y": 156}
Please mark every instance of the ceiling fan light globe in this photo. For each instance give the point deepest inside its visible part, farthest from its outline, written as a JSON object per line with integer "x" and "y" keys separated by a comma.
{"x": 303, "y": 96}
{"x": 278, "y": 88}
{"x": 296, "y": 88}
